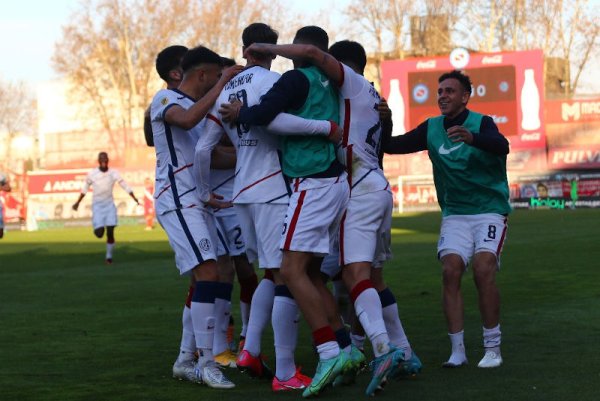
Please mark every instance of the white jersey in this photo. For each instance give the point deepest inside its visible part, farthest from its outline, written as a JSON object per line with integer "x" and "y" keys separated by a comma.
{"x": 175, "y": 185}
{"x": 221, "y": 183}
{"x": 258, "y": 178}
{"x": 102, "y": 183}
{"x": 362, "y": 133}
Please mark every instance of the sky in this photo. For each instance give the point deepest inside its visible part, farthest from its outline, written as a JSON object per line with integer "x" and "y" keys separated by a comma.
{"x": 29, "y": 29}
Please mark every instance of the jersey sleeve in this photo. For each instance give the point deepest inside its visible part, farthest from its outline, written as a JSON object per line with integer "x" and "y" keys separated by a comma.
{"x": 87, "y": 183}
{"x": 352, "y": 84}
{"x": 288, "y": 124}
{"x": 163, "y": 101}
{"x": 202, "y": 154}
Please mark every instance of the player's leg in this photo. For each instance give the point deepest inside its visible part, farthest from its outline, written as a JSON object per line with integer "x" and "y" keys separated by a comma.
{"x": 99, "y": 232}
{"x": 248, "y": 281}
{"x": 110, "y": 243}
{"x": 490, "y": 233}
{"x": 183, "y": 368}
{"x": 454, "y": 250}
{"x": 223, "y": 355}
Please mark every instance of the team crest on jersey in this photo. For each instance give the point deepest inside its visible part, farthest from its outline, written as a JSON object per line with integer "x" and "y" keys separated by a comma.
{"x": 204, "y": 244}
{"x": 164, "y": 101}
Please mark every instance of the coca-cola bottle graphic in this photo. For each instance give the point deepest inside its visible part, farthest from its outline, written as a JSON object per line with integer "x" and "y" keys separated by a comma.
{"x": 530, "y": 103}
{"x": 396, "y": 103}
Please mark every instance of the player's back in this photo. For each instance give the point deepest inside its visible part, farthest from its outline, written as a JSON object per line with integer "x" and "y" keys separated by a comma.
{"x": 359, "y": 103}
{"x": 258, "y": 168}
{"x": 174, "y": 153}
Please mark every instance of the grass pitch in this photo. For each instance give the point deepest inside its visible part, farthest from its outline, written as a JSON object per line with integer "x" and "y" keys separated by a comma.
{"x": 72, "y": 328}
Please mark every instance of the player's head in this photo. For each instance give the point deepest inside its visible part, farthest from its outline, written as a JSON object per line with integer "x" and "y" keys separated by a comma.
{"x": 311, "y": 35}
{"x": 227, "y": 62}
{"x": 350, "y": 53}
{"x": 259, "y": 33}
{"x": 103, "y": 161}
{"x": 202, "y": 67}
{"x": 454, "y": 91}
{"x": 167, "y": 64}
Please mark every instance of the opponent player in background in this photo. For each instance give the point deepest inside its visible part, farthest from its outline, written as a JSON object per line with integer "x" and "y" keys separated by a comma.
{"x": 319, "y": 196}
{"x": 189, "y": 225}
{"x": 260, "y": 197}
{"x": 104, "y": 212}
{"x": 366, "y": 225}
{"x": 4, "y": 187}
{"x": 468, "y": 155}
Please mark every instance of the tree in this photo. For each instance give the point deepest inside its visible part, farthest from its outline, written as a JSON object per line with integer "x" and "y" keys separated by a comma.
{"x": 17, "y": 113}
{"x": 108, "y": 47}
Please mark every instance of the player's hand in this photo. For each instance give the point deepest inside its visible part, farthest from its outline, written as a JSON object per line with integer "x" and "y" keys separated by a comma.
{"x": 458, "y": 133}
{"x": 229, "y": 73}
{"x": 257, "y": 49}
{"x": 75, "y": 206}
{"x": 230, "y": 111}
{"x": 385, "y": 113}
{"x": 216, "y": 202}
{"x": 336, "y": 135}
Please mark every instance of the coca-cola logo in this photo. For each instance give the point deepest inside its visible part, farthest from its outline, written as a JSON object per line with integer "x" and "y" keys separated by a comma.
{"x": 424, "y": 65}
{"x": 535, "y": 136}
{"x": 497, "y": 59}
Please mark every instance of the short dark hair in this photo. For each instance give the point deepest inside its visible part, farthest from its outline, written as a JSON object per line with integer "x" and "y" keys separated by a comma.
{"x": 464, "y": 79}
{"x": 168, "y": 59}
{"x": 199, "y": 55}
{"x": 102, "y": 154}
{"x": 227, "y": 62}
{"x": 313, "y": 35}
{"x": 259, "y": 33}
{"x": 347, "y": 51}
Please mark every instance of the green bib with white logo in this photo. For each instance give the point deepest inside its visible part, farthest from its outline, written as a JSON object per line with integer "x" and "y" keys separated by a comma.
{"x": 468, "y": 180}
{"x": 312, "y": 154}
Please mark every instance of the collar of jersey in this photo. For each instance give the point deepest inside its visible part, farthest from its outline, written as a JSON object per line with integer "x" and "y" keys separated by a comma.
{"x": 184, "y": 94}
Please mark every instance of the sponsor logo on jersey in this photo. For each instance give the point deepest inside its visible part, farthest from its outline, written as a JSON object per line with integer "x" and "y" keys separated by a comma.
{"x": 443, "y": 151}
{"x": 204, "y": 244}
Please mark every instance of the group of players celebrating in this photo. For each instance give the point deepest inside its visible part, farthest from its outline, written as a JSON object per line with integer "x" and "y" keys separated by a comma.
{"x": 298, "y": 155}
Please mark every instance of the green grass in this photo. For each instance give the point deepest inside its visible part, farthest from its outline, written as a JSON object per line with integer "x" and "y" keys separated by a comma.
{"x": 72, "y": 328}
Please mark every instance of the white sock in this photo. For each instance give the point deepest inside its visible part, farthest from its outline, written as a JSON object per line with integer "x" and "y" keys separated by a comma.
{"x": 109, "y": 250}
{"x": 203, "y": 319}
{"x": 285, "y": 331}
{"x": 328, "y": 350}
{"x": 358, "y": 341}
{"x": 492, "y": 338}
{"x": 245, "y": 315}
{"x": 395, "y": 330}
{"x": 188, "y": 342}
{"x": 368, "y": 310}
{"x": 458, "y": 355}
{"x": 260, "y": 315}
{"x": 222, "y": 309}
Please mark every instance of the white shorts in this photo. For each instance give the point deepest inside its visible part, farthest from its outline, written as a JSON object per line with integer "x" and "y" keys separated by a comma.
{"x": 104, "y": 214}
{"x": 192, "y": 234}
{"x": 365, "y": 229}
{"x": 229, "y": 234}
{"x": 261, "y": 225}
{"x": 313, "y": 218}
{"x": 466, "y": 235}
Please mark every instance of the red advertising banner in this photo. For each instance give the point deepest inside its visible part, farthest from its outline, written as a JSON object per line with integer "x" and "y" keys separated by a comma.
{"x": 508, "y": 86}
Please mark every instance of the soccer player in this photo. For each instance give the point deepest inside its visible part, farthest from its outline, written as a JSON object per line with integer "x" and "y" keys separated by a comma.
{"x": 176, "y": 114}
{"x": 366, "y": 225}
{"x": 5, "y": 187}
{"x": 468, "y": 155}
{"x": 261, "y": 197}
{"x": 104, "y": 212}
{"x": 319, "y": 195}
{"x": 167, "y": 66}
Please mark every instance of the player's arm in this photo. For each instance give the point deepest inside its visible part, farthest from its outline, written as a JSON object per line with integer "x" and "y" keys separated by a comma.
{"x": 125, "y": 186}
{"x": 317, "y": 57}
{"x": 148, "y": 135}
{"x": 289, "y": 92}
{"x": 202, "y": 162}
{"x": 289, "y": 124}
{"x": 189, "y": 118}
{"x": 84, "y": 190}
{"x": 412, "y": 141}
{"x": 490, "y": 139}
